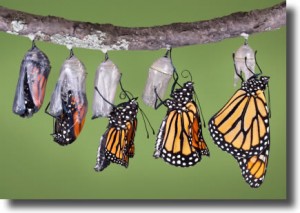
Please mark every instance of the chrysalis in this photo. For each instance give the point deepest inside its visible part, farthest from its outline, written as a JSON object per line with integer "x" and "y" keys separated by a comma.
{"x": 106, "y": 80}
{"x": 31, "y": 87}
{"x": 68, "y": 103}
{"x": 159, "y": 76}
{"x": 244, "y": 61}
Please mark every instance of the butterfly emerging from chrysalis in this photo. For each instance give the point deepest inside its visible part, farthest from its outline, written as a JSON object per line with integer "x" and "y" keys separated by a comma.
{"x": 31, "y": 87}
{"x": 117, "y": 143}
{"x": 241, "y": 128}
{"x": 180, "y": 141}
{"x": 68, "y": 104}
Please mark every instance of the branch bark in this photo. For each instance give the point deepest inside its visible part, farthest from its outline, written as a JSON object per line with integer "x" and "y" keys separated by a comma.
{"x": 109, "y": 37}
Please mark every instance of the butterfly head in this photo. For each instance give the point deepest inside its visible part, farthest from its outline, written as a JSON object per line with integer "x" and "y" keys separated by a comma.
{"x": 124, "y": 112}
{"x": 265, "y": 80}
{"x": 185, "y": 93}
{"x": 133, "y": 104}
{"x": 254, "y": 83}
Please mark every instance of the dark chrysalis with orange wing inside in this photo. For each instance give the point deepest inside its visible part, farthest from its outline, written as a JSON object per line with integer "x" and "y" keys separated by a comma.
{"x": 179, "y": 140}
{"x": 31, "y": 87}
{"x": 68, "y": 103}
{"x": 241, "y": 128}
{"x": 117, "y": 143}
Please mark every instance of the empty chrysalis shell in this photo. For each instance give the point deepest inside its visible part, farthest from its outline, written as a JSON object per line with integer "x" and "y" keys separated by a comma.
{"x": 243, "y": 65}
{"x": 68, "y": 103}
{"x": 159, "y": 76}
{"x": 31, "y": 87}
{"x": 106, "y": 80}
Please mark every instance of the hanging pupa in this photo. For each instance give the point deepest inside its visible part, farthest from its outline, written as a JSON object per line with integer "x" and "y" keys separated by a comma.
{"x": 106, "y": 80}
{"x": 68, "y": 103}
{"x": 31, "y": 87}
{"x": 159, "y": 76}
{"x": 244, "y": 61}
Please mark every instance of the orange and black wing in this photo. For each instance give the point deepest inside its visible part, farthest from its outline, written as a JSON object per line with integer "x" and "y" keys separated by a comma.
{"x": 254, "y": 168}
{"x": 241, "y": 127}
{"x": 117, "y": 146}
{"x": 196, "y": 130}
{"x": 179, "y": 141}
{"x": 130, "y": 133}
{"x": 115, "y": 149}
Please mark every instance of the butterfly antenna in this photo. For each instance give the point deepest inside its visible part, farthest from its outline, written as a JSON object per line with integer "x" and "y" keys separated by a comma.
{"x": 96, "y": 88}
{"x": 53, "y": 120}
{"x": 156, "y": 106}
{"x": 145, "y": 118}
{"x": 175, "y": 77}
{"x": 189, "y": 74}
{"x": 198, "y": 102}
{"x": 125, "y": 92}
{"x": 256, "y": 62}
{"x": 236, "y": 72}
{"x": 46, "y": 110}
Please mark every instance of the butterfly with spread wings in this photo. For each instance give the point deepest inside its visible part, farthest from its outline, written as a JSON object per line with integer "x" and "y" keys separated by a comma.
{"x": 180, "y": 141}
{"x": 241, "y": 128}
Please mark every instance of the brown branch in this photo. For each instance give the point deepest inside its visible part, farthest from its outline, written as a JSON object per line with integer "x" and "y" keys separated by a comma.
{"x": 109, "y": 37}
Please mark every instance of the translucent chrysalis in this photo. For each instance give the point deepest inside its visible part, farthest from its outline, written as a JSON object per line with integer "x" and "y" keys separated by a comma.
{"x": 159, "y": 76}
{"x": 68, "y": 103}
{"x": 106, "y": 80}
{"x": 244, "y": 61}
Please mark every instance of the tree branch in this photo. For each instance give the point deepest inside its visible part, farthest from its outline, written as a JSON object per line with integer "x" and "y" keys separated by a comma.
{"x": 109, "y": 37}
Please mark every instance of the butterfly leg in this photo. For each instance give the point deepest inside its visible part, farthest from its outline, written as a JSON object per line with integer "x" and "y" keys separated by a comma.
{"x": 157, "y": 105}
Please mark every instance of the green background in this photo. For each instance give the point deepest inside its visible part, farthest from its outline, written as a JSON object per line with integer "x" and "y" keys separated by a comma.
{"x": 32, "y": 166}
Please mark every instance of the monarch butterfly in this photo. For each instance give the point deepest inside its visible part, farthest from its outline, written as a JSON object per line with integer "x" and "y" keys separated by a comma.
{"x": 241, "y": 128}
{"x": 68, "y": 103}
{"x": 117, "y": 143}
{"x": 180, "y": 141}
{"x": 31, "y": 87}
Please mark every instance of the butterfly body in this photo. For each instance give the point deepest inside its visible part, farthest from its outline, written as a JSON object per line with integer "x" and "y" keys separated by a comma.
{"x": 241, "y": 128}
{"x": 179, "y": 140}
{"x": 117, "y": 143}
